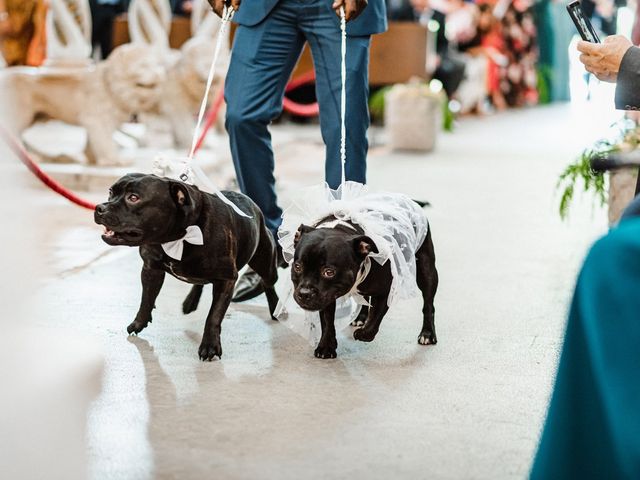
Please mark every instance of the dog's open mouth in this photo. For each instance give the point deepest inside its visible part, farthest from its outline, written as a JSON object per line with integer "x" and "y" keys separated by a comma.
{"x": 122, "y": 237}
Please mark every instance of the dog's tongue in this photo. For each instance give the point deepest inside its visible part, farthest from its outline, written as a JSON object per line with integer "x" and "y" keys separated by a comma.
{"x": 107, "y": 232}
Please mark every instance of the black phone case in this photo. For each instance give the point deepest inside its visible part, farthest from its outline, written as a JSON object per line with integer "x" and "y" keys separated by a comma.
{"x": 582, "y": 23}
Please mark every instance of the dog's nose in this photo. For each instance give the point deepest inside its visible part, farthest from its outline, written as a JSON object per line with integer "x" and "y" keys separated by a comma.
{"x": 306, "y": 293}
{"x": 101, "y": 209}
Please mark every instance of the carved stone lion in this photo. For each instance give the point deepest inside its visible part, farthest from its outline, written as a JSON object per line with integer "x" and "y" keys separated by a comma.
{"x": 99, "y": 98}
{"x": 186, "y": 84}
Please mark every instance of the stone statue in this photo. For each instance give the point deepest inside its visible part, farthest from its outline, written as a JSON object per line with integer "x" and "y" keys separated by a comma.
{"x": 150, "y": 22}
{"x": 68, "y": 32}
{"x": 186, "y": 84}
{"x": 99, "y": 98}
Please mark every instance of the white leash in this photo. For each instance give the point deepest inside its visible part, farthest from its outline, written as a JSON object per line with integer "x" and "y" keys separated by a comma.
{"x": 189, "y": 166}
{"x": 227, "y": 15}
{"x": 343, "y": 97}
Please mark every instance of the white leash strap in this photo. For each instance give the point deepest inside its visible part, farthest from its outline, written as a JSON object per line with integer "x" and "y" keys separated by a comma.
{"x": 343, "y": 97}
{"x": 227, "y": 15}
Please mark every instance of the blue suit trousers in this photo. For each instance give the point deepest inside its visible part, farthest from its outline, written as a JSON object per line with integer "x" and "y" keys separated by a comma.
{"x": 263, "y": 57}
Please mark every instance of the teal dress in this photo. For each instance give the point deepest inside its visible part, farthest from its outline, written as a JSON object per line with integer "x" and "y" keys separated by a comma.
{"x": 593, "y": 425}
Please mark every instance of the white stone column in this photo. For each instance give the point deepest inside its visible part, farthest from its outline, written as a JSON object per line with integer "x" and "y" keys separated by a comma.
{"x": 150, "y": 22}
{"x": 68, "y": 32}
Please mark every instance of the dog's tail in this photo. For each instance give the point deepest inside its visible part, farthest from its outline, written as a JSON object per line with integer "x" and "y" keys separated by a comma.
{"x": 422, "y": 204}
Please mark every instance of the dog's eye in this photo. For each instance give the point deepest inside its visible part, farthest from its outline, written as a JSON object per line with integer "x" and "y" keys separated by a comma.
{"x": 297, "y": 267}
{"x": 328, "y": 272}
{"x": 133, "y": 198}
{"x": 110, "y": 193}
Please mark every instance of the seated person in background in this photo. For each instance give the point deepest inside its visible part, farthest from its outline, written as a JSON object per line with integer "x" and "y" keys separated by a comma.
{"x": 593, "y": 424}
{"x": 450, "y": 70}
{"x": 489, "y": 42}
{"x": 18, "y": 22}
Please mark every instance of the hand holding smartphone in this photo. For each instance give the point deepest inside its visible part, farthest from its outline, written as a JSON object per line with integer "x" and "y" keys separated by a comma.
{"x": 582, "y": 23}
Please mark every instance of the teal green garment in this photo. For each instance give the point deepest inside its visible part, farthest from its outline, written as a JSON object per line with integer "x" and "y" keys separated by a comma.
{"x": 593, "y": 425}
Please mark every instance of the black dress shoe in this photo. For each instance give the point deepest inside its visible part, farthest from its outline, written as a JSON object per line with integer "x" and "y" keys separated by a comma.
{"x": 248, "y": 286}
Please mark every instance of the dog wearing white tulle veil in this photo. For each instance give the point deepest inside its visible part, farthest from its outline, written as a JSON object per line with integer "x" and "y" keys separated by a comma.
{"x": 353, "y": 254}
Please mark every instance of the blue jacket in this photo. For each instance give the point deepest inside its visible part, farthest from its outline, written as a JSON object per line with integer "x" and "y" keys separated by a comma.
{"x": 372, "y": 20}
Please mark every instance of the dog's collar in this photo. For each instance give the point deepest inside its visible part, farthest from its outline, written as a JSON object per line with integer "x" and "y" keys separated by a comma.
{"x": 175, "y": 248}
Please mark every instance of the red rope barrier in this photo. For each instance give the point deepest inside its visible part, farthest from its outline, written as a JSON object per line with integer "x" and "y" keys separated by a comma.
{"x": 301, "y": 109}
{"x": 25, "y": 158}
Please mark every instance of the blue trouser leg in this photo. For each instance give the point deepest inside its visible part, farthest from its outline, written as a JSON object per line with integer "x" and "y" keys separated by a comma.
{"x": 261, "y": 63}
{"x": 323, "y": 34}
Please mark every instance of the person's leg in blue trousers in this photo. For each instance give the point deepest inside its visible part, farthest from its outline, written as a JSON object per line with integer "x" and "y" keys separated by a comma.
{"x": 321, "y": 29}
{"x": 261, "y": 63}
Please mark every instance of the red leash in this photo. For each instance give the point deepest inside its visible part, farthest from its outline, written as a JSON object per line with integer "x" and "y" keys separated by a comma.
{"x": 25, "y": 158}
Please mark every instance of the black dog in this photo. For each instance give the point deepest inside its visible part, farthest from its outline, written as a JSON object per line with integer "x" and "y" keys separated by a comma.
{"x": 325, "y": 267}
{"x": 148, "y": 211}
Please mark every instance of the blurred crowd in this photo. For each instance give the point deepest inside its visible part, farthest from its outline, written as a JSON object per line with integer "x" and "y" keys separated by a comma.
{"x": 490, "y": 53}
{"x": 517, "y": 49}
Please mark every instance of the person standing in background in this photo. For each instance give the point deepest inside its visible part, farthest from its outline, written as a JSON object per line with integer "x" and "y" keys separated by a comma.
{"x": 19, "y": 21}
{"x": 183, "y": 8}
{"x": 103, "y": 14}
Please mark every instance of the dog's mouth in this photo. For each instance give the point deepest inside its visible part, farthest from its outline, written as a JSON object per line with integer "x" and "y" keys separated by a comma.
{"x": 313, "y": 305}
{"x": 131, "y": 237}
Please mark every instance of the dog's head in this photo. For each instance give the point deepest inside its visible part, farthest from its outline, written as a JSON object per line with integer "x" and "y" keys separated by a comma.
{"x": 145, "y": 209}
{"x": 326, "y": 264}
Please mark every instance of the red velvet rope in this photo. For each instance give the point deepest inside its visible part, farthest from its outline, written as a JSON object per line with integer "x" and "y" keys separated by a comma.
{"x": 25, "y": 158}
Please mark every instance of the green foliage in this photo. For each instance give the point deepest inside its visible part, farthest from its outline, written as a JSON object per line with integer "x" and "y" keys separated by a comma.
{"x": 544, "y": 84}
{"x": 627, "y": 137}
{"x": 448, "y": 117}
{"x": 581, "y": 171}
{"x": 377, "y": 102}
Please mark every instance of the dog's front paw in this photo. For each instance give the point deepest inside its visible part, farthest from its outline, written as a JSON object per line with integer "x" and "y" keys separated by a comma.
{"x": 137, "y": 326}
{"x": 209, "y": 350}
{"x": 364, "y": 335}
{"x": 427, "y": 338}
{"x": 324, "y": 351}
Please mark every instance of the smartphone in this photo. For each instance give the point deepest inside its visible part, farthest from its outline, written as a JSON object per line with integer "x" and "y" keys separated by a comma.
{"x": 582, "y": 23}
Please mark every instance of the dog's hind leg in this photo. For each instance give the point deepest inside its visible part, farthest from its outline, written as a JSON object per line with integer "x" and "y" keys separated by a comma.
{"x": 190, "y": 303}
{"x": 361, "y": 319}
{"x": 265, "y": 264}
{"x": 427, "y": 278}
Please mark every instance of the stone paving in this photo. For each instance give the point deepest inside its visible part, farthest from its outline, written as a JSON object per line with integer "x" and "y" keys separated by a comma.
{"x": 470, "y": 407}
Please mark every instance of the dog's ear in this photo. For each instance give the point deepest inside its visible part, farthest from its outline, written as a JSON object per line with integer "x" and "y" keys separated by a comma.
{"x": 180, "y": 194}
{"x": 302, "y": 229}
{"x": 363, "y": 246}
